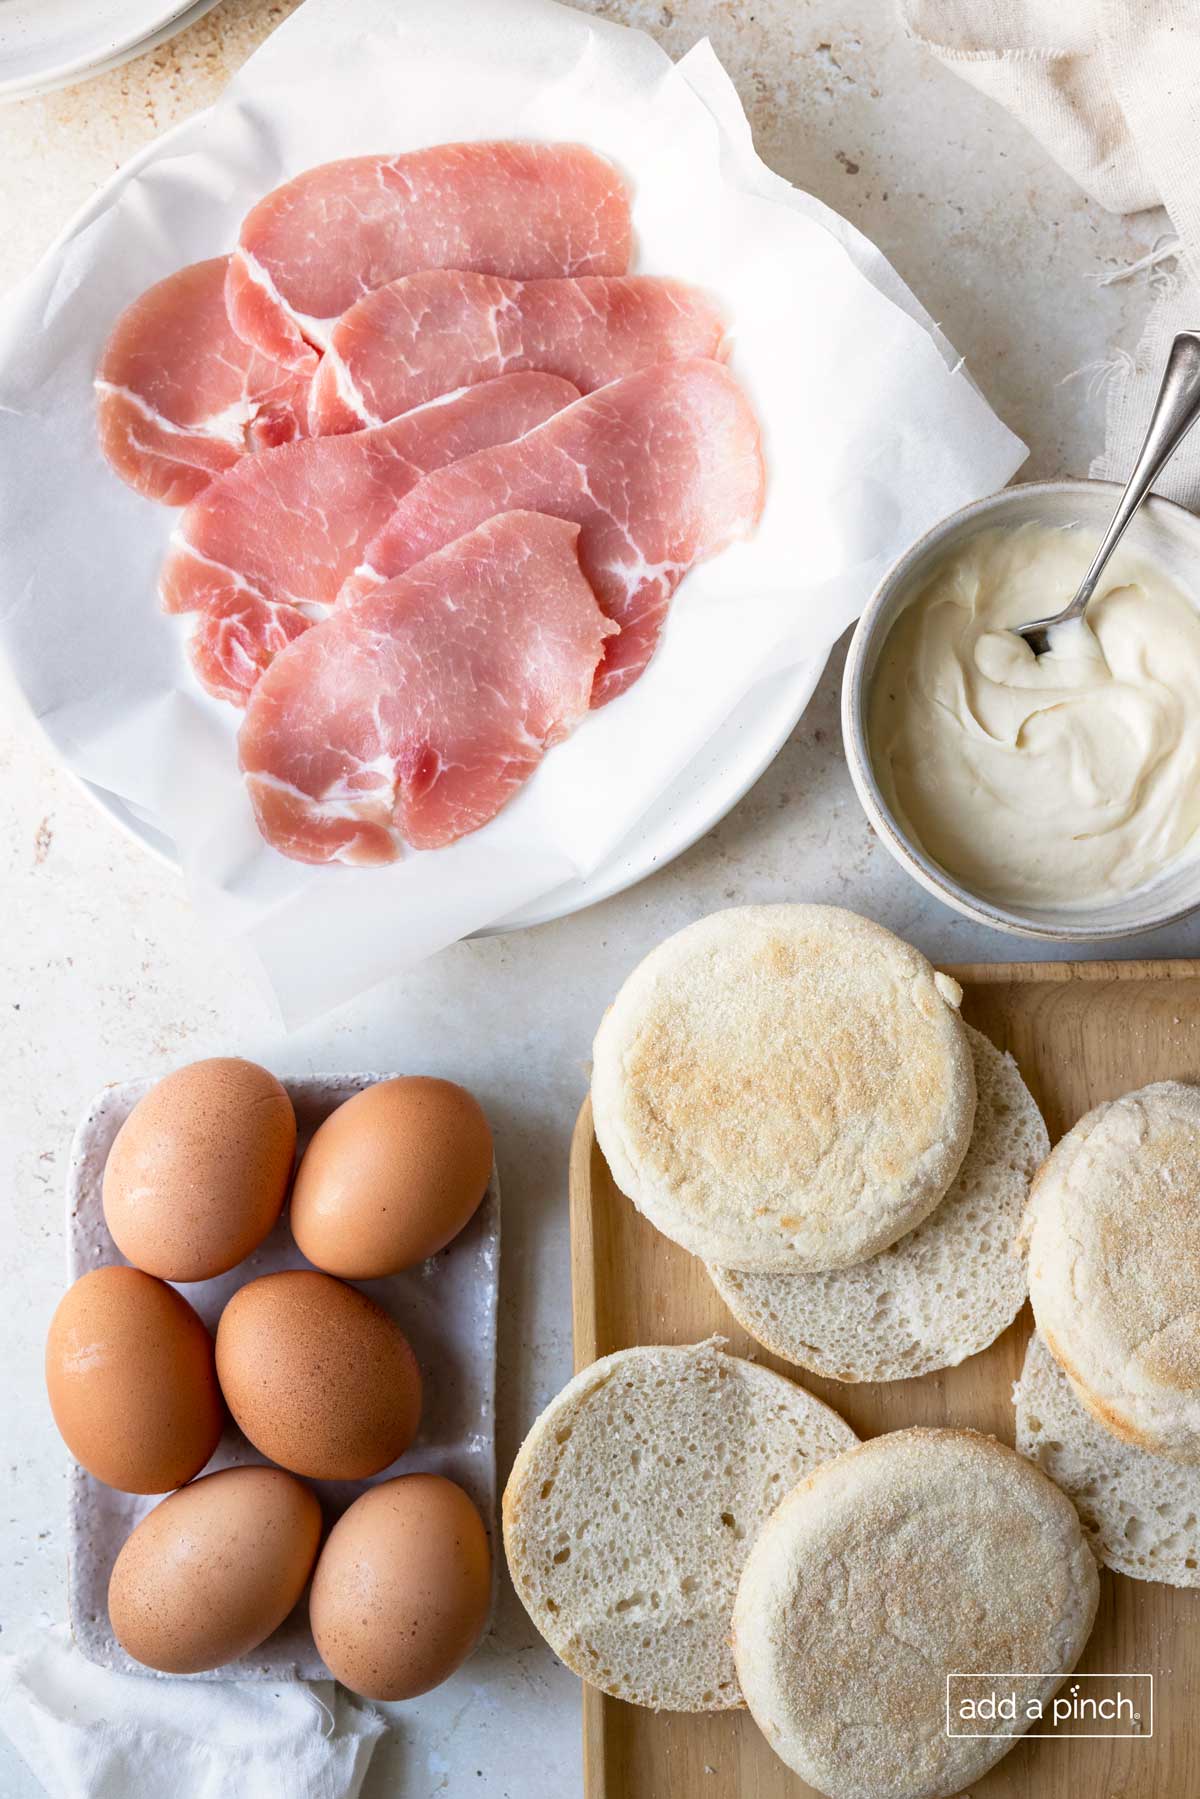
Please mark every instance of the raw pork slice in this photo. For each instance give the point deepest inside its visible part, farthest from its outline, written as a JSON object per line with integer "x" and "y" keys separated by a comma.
{"x": 180, "y": 398}
{"x": 279, "y": 534}
{"x": 432, "y": 333}
{"x": 416, "y": 714}
{"x": 314, "y": 246}
{"x": 660, "y": 470}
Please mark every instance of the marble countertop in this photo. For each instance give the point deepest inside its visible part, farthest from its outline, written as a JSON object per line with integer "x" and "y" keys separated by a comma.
{"x": 107, "y": 974}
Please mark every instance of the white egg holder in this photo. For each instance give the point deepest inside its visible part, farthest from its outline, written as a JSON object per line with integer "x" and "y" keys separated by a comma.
{"x": 446, "y": 1307}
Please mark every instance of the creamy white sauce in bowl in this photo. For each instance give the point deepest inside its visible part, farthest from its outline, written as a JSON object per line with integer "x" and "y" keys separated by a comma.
{"x": 1057, "y": 799}
{"x": 1059, "y": 780}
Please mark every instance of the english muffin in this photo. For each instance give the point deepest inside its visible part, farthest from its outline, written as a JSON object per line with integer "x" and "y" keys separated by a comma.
{"x": 939, "y": 1294}
{"x": 633, "y": 1502}
{"x": 1113, "y": 1230}
{"x": 1141, "y": 1511}
{"x": 919, "y": 1555}
{"x": 784, "y": 1089}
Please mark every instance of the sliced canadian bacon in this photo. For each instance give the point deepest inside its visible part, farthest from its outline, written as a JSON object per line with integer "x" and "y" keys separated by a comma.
{"x": 267, "y": 547}
{"x": 180, "y": 398}
{"x": 316, "y": 244}
{"x": 660, "y": 471}
{"x": 429, "y": 334}
{"x": 414, "y": 716}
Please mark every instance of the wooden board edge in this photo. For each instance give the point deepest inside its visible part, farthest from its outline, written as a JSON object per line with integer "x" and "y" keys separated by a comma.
{"x": 584, "y": 1316}
{"x": 584, "y": 1310}
{"x": 993, "y": 974}
{"x": 595, "y": 1756}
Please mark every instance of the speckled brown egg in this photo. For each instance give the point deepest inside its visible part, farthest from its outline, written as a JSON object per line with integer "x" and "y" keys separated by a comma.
{"x": 318, "y": 1376}
{"x": 133, "y": 1389}
{"x": 403, "y": 1587}
{"x": 199, "y": 1170}
{"x": 391, "y": 1177}
{"x": 212, "y": 1571}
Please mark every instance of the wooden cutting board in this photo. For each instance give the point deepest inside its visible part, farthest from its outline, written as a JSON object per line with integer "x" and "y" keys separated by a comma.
{"x": 1080, "y": 1033}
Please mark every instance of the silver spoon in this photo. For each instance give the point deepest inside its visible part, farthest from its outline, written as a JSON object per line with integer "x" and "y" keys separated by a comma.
{"x": 1175, "y": 412}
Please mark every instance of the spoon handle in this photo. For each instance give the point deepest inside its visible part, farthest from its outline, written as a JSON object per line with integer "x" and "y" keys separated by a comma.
{"x": 1175, "y": 412}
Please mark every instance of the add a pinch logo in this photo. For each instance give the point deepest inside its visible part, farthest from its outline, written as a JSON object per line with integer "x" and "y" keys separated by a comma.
{"x": 1085, "y": 1705}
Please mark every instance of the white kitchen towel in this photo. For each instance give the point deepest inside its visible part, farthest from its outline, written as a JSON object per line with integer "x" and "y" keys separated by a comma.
{"x": 87, "y": 1733}
{"x": 1112, "y": 89}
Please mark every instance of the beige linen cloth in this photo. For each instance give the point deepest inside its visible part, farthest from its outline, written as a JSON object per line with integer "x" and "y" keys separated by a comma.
{"x": 1111, "y": 88}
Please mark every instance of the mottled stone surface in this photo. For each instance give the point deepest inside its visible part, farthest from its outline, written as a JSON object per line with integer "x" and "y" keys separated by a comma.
{"x": 106, "y": 973}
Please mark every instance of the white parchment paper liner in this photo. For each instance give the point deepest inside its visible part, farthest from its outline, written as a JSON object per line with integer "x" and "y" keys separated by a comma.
{"x": 446, "y": 1307}
{"x": 872, "y": 432}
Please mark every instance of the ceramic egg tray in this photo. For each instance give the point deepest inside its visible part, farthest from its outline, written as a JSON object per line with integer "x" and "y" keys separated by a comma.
{"x": 446, "y": 1307}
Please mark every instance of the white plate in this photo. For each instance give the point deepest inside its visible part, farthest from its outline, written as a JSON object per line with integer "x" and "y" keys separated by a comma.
{"x": 47, "y": 44}
{"x": 446, "y": 1306}
{"x": 639, "y": 783}
{"x": 699, "y": 798}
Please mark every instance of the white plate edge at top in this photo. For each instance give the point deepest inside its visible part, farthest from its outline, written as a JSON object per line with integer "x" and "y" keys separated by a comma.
{"x": 101, "y": 59}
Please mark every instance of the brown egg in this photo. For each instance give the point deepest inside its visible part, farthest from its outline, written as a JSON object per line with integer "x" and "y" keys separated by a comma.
{"x": 318, "y": 1376}
{"x": 199, "y": 1170}
{"x": 133, "y": 1389}
{"x": 403, "y": 1587}
{"x": 391, "y": 1177}
{"x": 213, "y": 1570}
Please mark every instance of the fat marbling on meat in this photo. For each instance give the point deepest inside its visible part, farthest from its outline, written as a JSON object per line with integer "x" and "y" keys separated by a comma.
{"x": 660, "y": 471}
{"x": 271, "y": 542}
{"x": 179, "y": 396}
{"x": 415, "y": 713}
{"x": 429, "y": 334}
{"x": 315, "y": 245}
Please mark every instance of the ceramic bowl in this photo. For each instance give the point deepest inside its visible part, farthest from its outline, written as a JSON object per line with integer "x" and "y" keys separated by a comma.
{"x": 1161, "y": 531}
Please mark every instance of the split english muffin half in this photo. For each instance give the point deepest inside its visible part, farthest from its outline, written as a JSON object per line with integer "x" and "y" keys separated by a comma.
{"x": 1113, "y": 1233}
{"x": 939, "y": 1294}
{"x": 784, "y": 1089}
{"x": 633, "y": 1503}
{"x": 1141, "y": 1511}
{"x": 918, "y": 1555}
